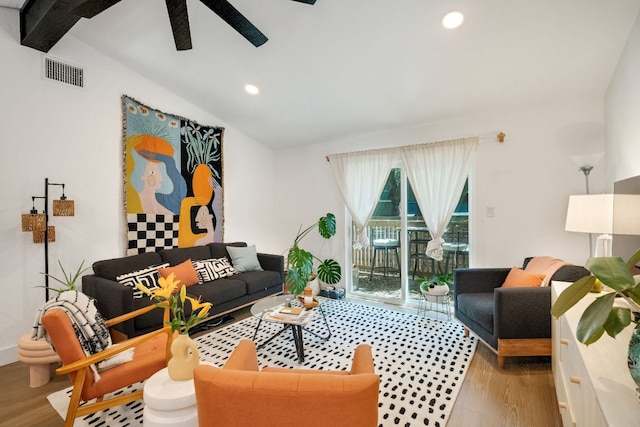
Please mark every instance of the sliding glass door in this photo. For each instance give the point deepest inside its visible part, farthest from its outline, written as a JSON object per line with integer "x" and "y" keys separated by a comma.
{"x": 391, "y": 268}
{"x": 377, "y": 268}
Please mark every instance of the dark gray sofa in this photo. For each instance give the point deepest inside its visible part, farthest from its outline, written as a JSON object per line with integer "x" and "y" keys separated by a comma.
{"x": 227, "y": 294}
{"x": 511, "y": 321}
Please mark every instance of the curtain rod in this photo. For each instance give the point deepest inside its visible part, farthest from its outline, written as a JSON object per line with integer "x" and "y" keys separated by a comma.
{"x": 500, "y": 137}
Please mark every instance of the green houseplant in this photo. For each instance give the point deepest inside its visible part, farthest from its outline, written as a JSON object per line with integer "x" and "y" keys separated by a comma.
{"x": 436, "y": 285}
{"x": 602, "y": 315}
{"x": 69, "y": 280}
{"x": 300, "y": 262}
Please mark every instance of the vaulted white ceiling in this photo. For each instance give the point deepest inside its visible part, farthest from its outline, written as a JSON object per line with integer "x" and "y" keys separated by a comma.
{"x": 347, "y": 67}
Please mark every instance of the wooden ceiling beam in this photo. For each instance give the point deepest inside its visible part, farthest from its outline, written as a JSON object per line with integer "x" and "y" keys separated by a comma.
{"x": 44, "y": 22}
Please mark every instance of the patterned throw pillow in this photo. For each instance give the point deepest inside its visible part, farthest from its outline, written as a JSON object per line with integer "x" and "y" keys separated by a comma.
{"x": 147, "y": 276}
{"x": 212, "y": 269}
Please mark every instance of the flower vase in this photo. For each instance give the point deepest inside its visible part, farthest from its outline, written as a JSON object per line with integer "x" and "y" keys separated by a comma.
{"x": 633, "y": 358}
{"x": 184, "y": 358}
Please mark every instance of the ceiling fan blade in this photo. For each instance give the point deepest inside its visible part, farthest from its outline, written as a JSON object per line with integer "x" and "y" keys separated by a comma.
{"x": 179, "y": 18}
{"x": 233, "y": 17}
{"x": 312, "y": 2}
{"x": 91, "y": 8}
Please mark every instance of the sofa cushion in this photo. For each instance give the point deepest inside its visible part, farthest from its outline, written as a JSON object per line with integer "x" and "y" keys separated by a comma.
{"x": 176, "y": 256}
{"x": 521, "y": 278}
{"x": 148, "y": 277}
{"x": 478, "y": 307}
{"x": 219, "y": 250}
{"x": 219, "y": 291}
{"x": 244, "y": 259}
{"x": 212, "y": 269}
{"x": 570, "y": 273}
{"x": 111, "y": 268}
{"x": 259, "y": 280}
{"x": 184, "y": 272}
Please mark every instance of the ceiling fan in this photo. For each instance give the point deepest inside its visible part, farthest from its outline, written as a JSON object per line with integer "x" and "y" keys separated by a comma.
{"x": 180, "y": 20}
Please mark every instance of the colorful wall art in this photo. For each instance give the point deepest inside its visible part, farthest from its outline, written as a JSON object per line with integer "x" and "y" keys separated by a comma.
{"x": 173, "y": 180}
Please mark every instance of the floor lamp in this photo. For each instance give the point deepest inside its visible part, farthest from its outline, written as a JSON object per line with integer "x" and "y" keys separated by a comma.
{"x": 38, "y": 223}
{"x": 586, "y": 162}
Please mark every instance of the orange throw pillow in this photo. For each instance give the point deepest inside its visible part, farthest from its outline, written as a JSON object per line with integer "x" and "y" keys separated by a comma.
{"x": 518, "y": 278}
{"x": 184, "y": 272}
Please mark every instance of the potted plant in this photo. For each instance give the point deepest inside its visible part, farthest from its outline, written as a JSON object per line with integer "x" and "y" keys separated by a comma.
{"x": 184, "y": 353}
{"x": 300, "y": 262}
{"x": 602, "y": 315}
{"x": 437, "y": 285}
{"x": 69, "y": 281}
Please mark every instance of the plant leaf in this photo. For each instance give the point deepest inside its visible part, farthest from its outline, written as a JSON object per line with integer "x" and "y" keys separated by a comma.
{"x": 327, "y": 225}
{"x": 618, "y": 319}
{"x": 634, "y": 260}
{"x": 612, "y": 271}
{"x": 329, "y": 271}
{"x": 570, "y": 296}
{"x": 594, "y": 317}
{"x": 295, "y": 281}
{"x": 595, "y": 337}
{"x": 634, "y": 293}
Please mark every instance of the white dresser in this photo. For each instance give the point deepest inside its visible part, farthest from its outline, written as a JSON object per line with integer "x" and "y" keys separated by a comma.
{"x": 593, "y": 383}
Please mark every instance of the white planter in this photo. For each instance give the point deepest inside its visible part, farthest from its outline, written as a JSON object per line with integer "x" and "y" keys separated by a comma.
{"x": 436, "y": 293}
{"x": 314, "y": 284}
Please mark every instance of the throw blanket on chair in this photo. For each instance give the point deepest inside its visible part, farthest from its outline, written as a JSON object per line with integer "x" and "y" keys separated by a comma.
{"x": 546, "y": 265}
{"x": 88, "y": 325}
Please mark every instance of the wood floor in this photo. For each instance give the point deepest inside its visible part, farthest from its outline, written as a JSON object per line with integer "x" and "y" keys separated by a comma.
{"x": 520, "y": 395}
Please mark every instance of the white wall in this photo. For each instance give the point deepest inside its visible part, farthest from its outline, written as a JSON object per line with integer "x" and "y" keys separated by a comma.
{"x": 74, "y": 136}
{"x": 623, "y": 112}
{"x": 527, "y": 180}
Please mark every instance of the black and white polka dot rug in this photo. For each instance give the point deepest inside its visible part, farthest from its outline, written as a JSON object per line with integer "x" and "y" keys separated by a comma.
{"x": 421, "y": 361}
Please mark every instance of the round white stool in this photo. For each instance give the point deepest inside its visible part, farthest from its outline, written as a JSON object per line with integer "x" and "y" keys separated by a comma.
{"x": 168, "y": 402}
{"x": 38, "y": 354}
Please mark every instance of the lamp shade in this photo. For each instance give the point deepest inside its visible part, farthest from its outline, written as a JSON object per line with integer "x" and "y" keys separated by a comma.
{"x": 626, "y": 214}
{"x": 38, "y": 235}
{"x": 63, "y": 207}
{"x": 590, "y": 213}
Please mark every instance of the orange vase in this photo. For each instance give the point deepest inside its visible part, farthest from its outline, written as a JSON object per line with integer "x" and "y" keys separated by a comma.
{"x": 184, "y": 358}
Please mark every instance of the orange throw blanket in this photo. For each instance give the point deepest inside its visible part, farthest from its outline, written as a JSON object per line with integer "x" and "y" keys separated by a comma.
{"x": 545, "y": 265}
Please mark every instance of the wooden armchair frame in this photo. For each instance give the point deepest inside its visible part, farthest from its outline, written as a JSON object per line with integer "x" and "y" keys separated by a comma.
{"x": 79, "y": 370}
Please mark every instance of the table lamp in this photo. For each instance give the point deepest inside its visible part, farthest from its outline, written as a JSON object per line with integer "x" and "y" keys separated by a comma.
{"x": 604, "y": 214}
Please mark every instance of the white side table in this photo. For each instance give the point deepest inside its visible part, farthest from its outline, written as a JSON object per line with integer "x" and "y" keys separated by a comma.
{"x": 168, "y": 402}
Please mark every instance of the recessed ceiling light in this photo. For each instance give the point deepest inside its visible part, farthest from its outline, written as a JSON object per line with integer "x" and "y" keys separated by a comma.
{"x": 253, "y": 90}
{"x": 452, "y": 20}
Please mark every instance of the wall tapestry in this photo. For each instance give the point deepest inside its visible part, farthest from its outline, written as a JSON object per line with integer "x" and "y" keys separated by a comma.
{"x": 173, "y": 180}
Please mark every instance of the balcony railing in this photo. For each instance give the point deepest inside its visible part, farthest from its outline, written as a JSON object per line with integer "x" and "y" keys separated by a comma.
{"x": 417, "y": 237}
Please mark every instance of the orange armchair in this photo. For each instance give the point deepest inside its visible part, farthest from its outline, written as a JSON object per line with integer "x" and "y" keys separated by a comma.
{"x": 151, "y": 354}
{"x": 241, "y": 395}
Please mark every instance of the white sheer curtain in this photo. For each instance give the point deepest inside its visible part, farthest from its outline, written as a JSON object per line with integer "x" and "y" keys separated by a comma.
{"x": 437, "y": 173}
{"x": 361, "y": 177}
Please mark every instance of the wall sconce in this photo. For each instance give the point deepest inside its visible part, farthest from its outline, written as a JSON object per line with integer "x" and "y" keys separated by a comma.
{"x": 38, "y": 223}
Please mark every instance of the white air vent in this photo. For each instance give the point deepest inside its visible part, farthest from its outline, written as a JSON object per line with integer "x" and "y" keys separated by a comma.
{"x": 59, "y": 71}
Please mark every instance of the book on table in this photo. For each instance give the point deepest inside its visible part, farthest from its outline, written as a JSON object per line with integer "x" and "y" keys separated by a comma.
{"x": 291, "y": 315}
{"x": 291, "y": 310}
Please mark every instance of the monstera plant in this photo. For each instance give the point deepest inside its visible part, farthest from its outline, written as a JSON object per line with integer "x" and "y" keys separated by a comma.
{"x": 301, "y": 262}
